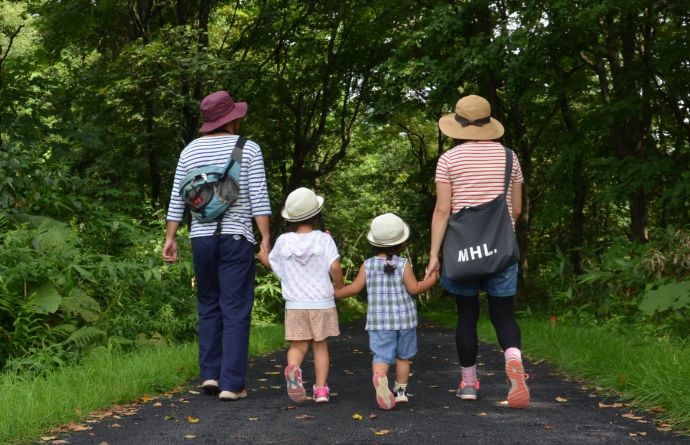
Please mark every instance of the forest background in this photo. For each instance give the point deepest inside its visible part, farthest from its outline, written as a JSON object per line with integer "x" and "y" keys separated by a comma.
{"x": 98, "y": 98}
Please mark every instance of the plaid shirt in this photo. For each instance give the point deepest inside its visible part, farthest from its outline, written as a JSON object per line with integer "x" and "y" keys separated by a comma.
{"x": 390, "y": 305}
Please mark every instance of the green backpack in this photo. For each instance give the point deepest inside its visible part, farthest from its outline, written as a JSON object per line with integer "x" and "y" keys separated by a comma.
{"x": 209, "y": 190}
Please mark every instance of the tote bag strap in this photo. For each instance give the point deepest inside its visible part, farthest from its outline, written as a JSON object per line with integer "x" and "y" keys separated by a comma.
{"x": 509, "y": 169}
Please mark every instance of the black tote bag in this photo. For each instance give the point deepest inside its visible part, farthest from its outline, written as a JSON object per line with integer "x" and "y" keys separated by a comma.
{"x": 480, "y": 241}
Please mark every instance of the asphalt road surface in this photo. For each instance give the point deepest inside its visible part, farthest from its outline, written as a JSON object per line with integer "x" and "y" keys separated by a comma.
{"x": 562, "y": 411}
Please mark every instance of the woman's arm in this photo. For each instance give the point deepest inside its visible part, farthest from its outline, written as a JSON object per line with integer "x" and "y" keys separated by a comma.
{"x": 355, "y": 287}
{"x": 415, "y": 287}
{"x": 516, "y": 200}
{"x": 439, "y": 222}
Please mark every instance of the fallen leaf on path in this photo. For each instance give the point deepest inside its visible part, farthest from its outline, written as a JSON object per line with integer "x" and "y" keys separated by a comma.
{"x": 656, "y": 409}
{"x": 115, "y": 426}
{"x": 271, "y": 373}
{"x": 304, "y": 416}
{"x": 549, "y": 427}
{"x": 489, "y": 373}
{"x": 631, "y": 416}
{"x": 276, "y": 386}
{"x": 334, "y": 394}
{"x": 433, "y": 386}
{"x": 48, "y": 438}
{"x": 357, "y": 416}
{"x": 482, "y": 414}
{"x": 663, "y": 426}
{"x": 445, "y": 406}
{"x": 452, "y": 390}
{"x": 59, "y": 442}
{"x": 191, "y": 419}
{"x": 381, "y": 432}
{"x": 194, "y": 392}
{"x": 104, "y": 443}
{"x": 373, "y": 416}
{"x": 157, "y": 404}
{"x": 561, "y": 399}
{"x": 169, "y": 418}
{"x": 290, "y": 407}
{"x": 253, "y": 418}
{"x": 503, "y": 403}
{"x": 262, "y": 380}
{"x": 145, "y": 399}
{"x": 76, "y": 427}
{"x": 190, "y": 436}
{"x": 642, "y": 433}
{"x": 613, "y": 405}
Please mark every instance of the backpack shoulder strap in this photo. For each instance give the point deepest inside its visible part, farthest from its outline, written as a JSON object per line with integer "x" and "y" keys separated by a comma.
{"x": 236, "y": 155}
{"x": 509, "y": 169}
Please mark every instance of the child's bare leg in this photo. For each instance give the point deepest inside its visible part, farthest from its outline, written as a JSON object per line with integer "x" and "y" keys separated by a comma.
{"x": 298, "y": 349}
{"x": 322, "y": 362}
{"x": 380, "y": 367}
{"x": 402, "y": 371}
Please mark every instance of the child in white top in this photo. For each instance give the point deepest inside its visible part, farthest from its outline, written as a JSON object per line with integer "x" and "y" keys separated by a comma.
{"x": 391, "y": 311}
{"x": 308, "y": 264}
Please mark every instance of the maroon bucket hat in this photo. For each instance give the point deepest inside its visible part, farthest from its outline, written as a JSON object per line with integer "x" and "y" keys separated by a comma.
{"x": 218, "y": 109}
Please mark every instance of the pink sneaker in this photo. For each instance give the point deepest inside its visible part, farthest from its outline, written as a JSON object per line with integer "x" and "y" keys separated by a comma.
{"x": 293, "y": 380}
{"x": 321, "y": 394}
{"x": 518, "y": 395}
{"x": 384, "y": 396}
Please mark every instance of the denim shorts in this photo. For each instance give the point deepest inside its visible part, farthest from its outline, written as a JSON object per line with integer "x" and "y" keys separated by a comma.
{"x": 500, "y": 284}
{"x": 389, "y": 345}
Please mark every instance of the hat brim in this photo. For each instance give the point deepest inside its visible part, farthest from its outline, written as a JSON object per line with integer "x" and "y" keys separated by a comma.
{"x": 388, "y": 243}
{"x": 305, "y": 216}
{"x": 238, "y": 112}
{"x": 452, "y": 128}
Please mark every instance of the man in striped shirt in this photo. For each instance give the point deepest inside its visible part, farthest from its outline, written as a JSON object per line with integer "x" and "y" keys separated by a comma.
{"x": 224, "y": 263}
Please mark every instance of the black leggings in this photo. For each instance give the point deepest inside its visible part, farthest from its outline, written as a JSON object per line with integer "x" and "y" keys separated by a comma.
{"x": 501, "y": 313}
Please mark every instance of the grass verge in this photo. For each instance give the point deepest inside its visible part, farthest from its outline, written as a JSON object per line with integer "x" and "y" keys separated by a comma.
{"x": 649, "y": 373}
{"x": 31, "y": 405}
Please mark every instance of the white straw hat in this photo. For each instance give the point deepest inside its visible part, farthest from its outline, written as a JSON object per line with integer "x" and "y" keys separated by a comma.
{"x": 301, "y": 205}
{"x": 472, "y": 121}
{"x": 388, "y": 230}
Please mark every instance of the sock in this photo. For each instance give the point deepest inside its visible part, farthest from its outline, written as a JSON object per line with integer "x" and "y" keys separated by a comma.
{"x": 469, "y": 374}
{"x": 398, "y": 386}
{"x": 512, "y": 353}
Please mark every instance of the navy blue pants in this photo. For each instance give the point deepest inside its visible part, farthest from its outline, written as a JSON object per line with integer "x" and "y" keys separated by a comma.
{"x": 224, "y": 267}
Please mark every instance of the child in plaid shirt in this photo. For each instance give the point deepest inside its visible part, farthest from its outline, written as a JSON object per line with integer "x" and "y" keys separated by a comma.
{"x": 391, "y": 312}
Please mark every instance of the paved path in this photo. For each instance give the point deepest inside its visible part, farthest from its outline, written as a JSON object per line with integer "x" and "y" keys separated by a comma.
{"x": 433, "y": 416}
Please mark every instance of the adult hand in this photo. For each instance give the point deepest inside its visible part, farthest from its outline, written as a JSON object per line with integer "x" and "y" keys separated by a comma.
{"x": 170, "y": 250}
{"x": 434, "y": 267}
{"x": 264, "y": 250}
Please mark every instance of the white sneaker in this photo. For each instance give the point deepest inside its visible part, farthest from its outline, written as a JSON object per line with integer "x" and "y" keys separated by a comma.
{"x": 211, "y": 387}
{"x": 231, "y": 395}
{"x": 400, "y": 395}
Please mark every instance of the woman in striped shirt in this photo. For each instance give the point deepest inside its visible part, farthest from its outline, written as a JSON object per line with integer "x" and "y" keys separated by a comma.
{"x": 470, "y": 174}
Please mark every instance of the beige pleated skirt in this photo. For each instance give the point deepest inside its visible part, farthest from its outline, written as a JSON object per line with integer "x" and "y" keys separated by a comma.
{"x": 311, "y": 324}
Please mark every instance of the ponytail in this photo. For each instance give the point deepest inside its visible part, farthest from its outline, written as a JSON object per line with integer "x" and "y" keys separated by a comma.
{"x": 389, "y": 268}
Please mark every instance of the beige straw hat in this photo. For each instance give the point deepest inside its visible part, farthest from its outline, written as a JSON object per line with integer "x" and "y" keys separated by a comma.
{"x": 301, "y": 205}
{"x": 472, "y": 121}
{"x": 388, "y": 230}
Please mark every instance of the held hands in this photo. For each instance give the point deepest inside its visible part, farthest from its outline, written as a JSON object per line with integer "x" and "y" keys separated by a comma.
{"x": 264, "y": 250}
{"x": 433, "y": 268}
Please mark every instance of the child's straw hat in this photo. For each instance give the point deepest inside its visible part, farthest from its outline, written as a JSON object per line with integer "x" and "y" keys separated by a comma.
{"x": 301, "y": 205}
{"x": 388, "y": 230}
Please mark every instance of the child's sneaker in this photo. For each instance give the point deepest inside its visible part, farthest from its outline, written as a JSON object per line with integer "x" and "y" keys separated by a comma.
{"x": 518, "y": 395}
{"x": 467, "y": 392}
{"x": 400, "y": 395}
{"x": 384, "y": 396}
{"x": 293, "y": 380}
{"x": 321, "y": 394}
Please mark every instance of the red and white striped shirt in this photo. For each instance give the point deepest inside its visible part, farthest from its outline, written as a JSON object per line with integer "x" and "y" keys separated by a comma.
{"x": 476, "y": 172}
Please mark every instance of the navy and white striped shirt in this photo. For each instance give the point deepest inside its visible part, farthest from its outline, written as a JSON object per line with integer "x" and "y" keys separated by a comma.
{"x": 253, "y": 197}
